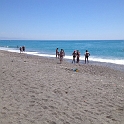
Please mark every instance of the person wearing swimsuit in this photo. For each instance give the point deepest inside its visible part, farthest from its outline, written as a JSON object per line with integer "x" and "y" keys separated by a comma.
{"x": 62, "y": 53}
{"x": 74, "y": 56}
{"x": 78, "y": 56}
{"x": 87, "y": 54}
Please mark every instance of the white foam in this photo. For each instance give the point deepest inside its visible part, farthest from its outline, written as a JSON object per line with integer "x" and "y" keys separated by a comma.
{"x": 39, "y": 54}
{"x": 114, "y": 61}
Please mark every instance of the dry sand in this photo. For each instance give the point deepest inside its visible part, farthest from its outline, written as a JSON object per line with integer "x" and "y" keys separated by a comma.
{"x": 37, "y": 90}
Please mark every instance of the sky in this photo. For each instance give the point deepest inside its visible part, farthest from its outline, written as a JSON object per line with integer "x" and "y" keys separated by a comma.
{"x": 62, "y": 19}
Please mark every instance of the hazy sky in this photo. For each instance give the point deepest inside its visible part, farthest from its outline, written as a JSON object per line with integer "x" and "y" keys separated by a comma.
{"x": 62, "y": 19}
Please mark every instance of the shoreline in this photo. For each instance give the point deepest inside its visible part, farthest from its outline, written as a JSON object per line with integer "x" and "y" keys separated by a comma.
{"x": 118, "y": 67}
{"x": 37, "y": 90}
{"x": 118, "y": 62}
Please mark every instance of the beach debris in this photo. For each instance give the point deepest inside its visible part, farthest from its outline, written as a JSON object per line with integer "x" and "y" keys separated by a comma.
{"x": 75, "y": 70}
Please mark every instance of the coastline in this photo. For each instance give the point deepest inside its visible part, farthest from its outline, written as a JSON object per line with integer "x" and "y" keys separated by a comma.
{"x": 100, "y": 50}
{"x": 37, "y": 89}
{"x": 119, "y": 67}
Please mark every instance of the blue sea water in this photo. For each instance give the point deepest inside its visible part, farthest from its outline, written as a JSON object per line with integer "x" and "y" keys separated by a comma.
{"x": 107, "y": 51}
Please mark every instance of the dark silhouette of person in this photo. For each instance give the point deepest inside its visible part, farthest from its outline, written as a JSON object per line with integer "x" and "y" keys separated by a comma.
{"x": 62, "y": 54}
{"x": 20, "y": 49}
{"x": 78, "y": 56}
{"x": 23, "y": 48}
{"x": 57, "y": 53}
{"x": 87, "y": 54}
{"x": 74, "y": 54}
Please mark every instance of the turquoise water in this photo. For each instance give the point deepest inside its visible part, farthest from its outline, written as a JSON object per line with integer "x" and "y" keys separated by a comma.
{"x": 108, "y": 51}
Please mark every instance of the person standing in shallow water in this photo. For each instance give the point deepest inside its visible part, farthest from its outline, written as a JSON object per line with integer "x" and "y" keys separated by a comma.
{"x": 20, "y": 48}
{"x": 78, "y": 56}
{"x": 74, "y": 56}
{"x": 62, "y": 53}
{"x": 23, "y": 48}
{"x": 87, "y": 54}
{"x": 57, "y": 53}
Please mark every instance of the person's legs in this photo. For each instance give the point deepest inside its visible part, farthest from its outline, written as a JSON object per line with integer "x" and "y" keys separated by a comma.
{"x": 74, "y": 59}
{"x": 85, "y": 59}
{"x": 77, "y": 59}
{"x": 61, "y": 59}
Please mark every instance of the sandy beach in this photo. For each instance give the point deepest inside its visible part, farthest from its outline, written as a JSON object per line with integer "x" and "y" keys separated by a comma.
{"x": 38, "y": 90}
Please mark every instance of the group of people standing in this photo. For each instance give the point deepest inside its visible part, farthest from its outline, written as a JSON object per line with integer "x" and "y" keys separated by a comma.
{"x": 60, "y": 54}
{"x": 75, "y": 54}
{"x": 22, "y": 49}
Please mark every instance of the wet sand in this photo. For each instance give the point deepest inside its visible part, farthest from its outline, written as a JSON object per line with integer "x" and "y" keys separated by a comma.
{"x": 38, "y": 90}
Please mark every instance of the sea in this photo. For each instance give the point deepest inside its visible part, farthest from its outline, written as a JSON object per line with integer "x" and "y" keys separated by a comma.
{"x": 103, "y": 52}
